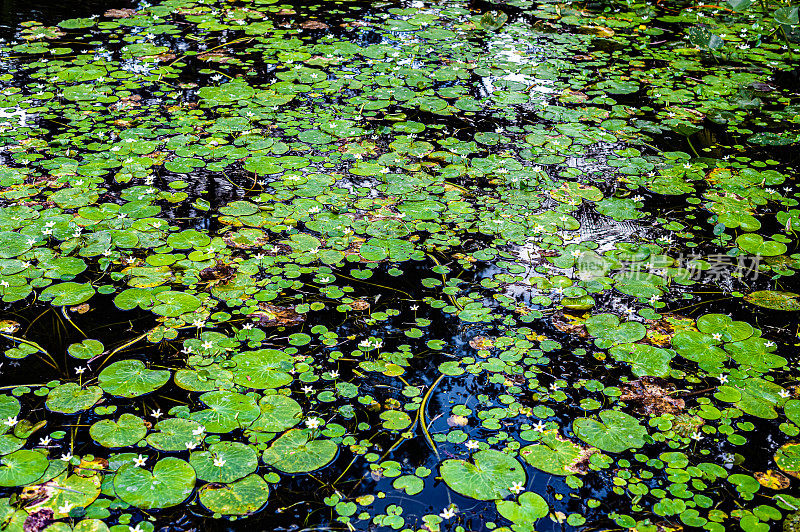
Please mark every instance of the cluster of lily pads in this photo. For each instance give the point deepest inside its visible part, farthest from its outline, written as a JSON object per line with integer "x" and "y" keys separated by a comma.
{"x": 414, "y": 266}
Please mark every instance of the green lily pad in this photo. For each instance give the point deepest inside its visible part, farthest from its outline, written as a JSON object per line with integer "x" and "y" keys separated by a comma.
{"x": 21, "y": 468}
{"x": 71, "y": 398}
{"x": 130, "y": 378}
{"x": 266, "y": 368}
{"x": 173, "y": 434}
{"x": 69, "y": 491}
{"x": 226, "y": 411}
{"x": 224, "y": 462}
{"x": 69, "y": 293}
{"x": 614, "y": 433}
{"x": 127, "y": 430}
{"x": 278, "y": 413}
{"x": 524, "y": 513}
{"x": 242, "y": 497}
{"x": 489, "y": 476}
{"x": 169, "y": 484}
{"x": 553, "y": 455}
{"x": 296, "y": 452}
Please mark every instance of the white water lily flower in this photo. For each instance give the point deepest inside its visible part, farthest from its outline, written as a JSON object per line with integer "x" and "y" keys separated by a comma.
{"x": 65, "y": 508}
{"x": 156, "y": 413}
{"x": 11, "y": 421}
{"x": 472, "y": 445}
{"x": 516, "y": 487}
{"x": 66, "y": 457}
{"x": 448, "y": 513}
{"x": 199, "y": 430}
{"x": 313, "y": 422}
{"x": 139, "y": 461}
{"x": 219, "y": 462}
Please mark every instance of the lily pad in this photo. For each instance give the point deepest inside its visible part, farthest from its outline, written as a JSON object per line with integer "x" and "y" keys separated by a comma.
{"x": 296, "y": 452}
{"x": 774, "y": 299}
{"x": 614, "y": 432}
{"x": 22, "y": 467}
{"x": 488, "y": 477}
{"x": 70, "y": 398}
{"x": 224, "y": 462}
{"x": 169, "y": 484}
{"x": 130, "y": 378}
{"x": 127, "y": 430}
{"x": 242, "y": 497}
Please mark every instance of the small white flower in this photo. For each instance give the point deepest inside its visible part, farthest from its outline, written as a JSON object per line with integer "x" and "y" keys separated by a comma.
{"x": 313, "y": 422}
{"x": 199, "y": 430}
{"x": 65, "y": 508}
{"x": 260, "y": 256}
{"x": 44, "y": 442}
{"x": 11, "y": 421}
{"x": 156, "y": 413}
{"x": 140, "y": 461}
{"x": 247, "y": 326}
{"x": 638, "y": 198}
{"x": 334, "y": 374}
{"x": 717, "y": 336}
{"x": 448, "y": 513}
{"x": 4, "y": 283}
{"x": 307, "y": 389}
{"x": 696, "y": 436}
{"x": 539, "y": 427}
{"x": 66, "y": 457}
{"x": 784, "y": 393}
{"x": 186, "y": 350}
{"x": 190, "y": 445}
{"x": 207, "y": 345}
{"x": 79, "y": 370}
{"x": 414, "y": 307}
{"x": 472, "y": 445}
{"x": 723, "y": 379}
{"x": 516, "y": 487}
{"x": 575, "y": 253}
{"x": 137, "y": 528}
{"x": 199, "y": 322}
{"x": 219, "y": 462}
{"x": 770, "y": 344}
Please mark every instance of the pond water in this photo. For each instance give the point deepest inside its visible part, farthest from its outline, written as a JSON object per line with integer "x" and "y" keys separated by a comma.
{"x": 424, "y": 266}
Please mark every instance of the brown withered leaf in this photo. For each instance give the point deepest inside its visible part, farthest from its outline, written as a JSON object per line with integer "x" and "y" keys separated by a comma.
{"x": 359, "y": 304}
{"x": 580, "y": 466}
{"x": 482, "y": 342}
{"x": 772, "y": 479}
{"x": 313, "y": 25}
{"x": 89, "y": 468}
{"x": 119, "y": 13}
{"x": 38, "y": 520}
{"x": 9, "y": 326}
{"x": 569, "y": 324}
{"x": 651, "y": 395}
{"x": 80, "y": 309}
{"x": 660, "y": 332}
{"x": 457, "y": 421}
{"x": 275, "y": 316}
{"x": 217, "y": 273}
